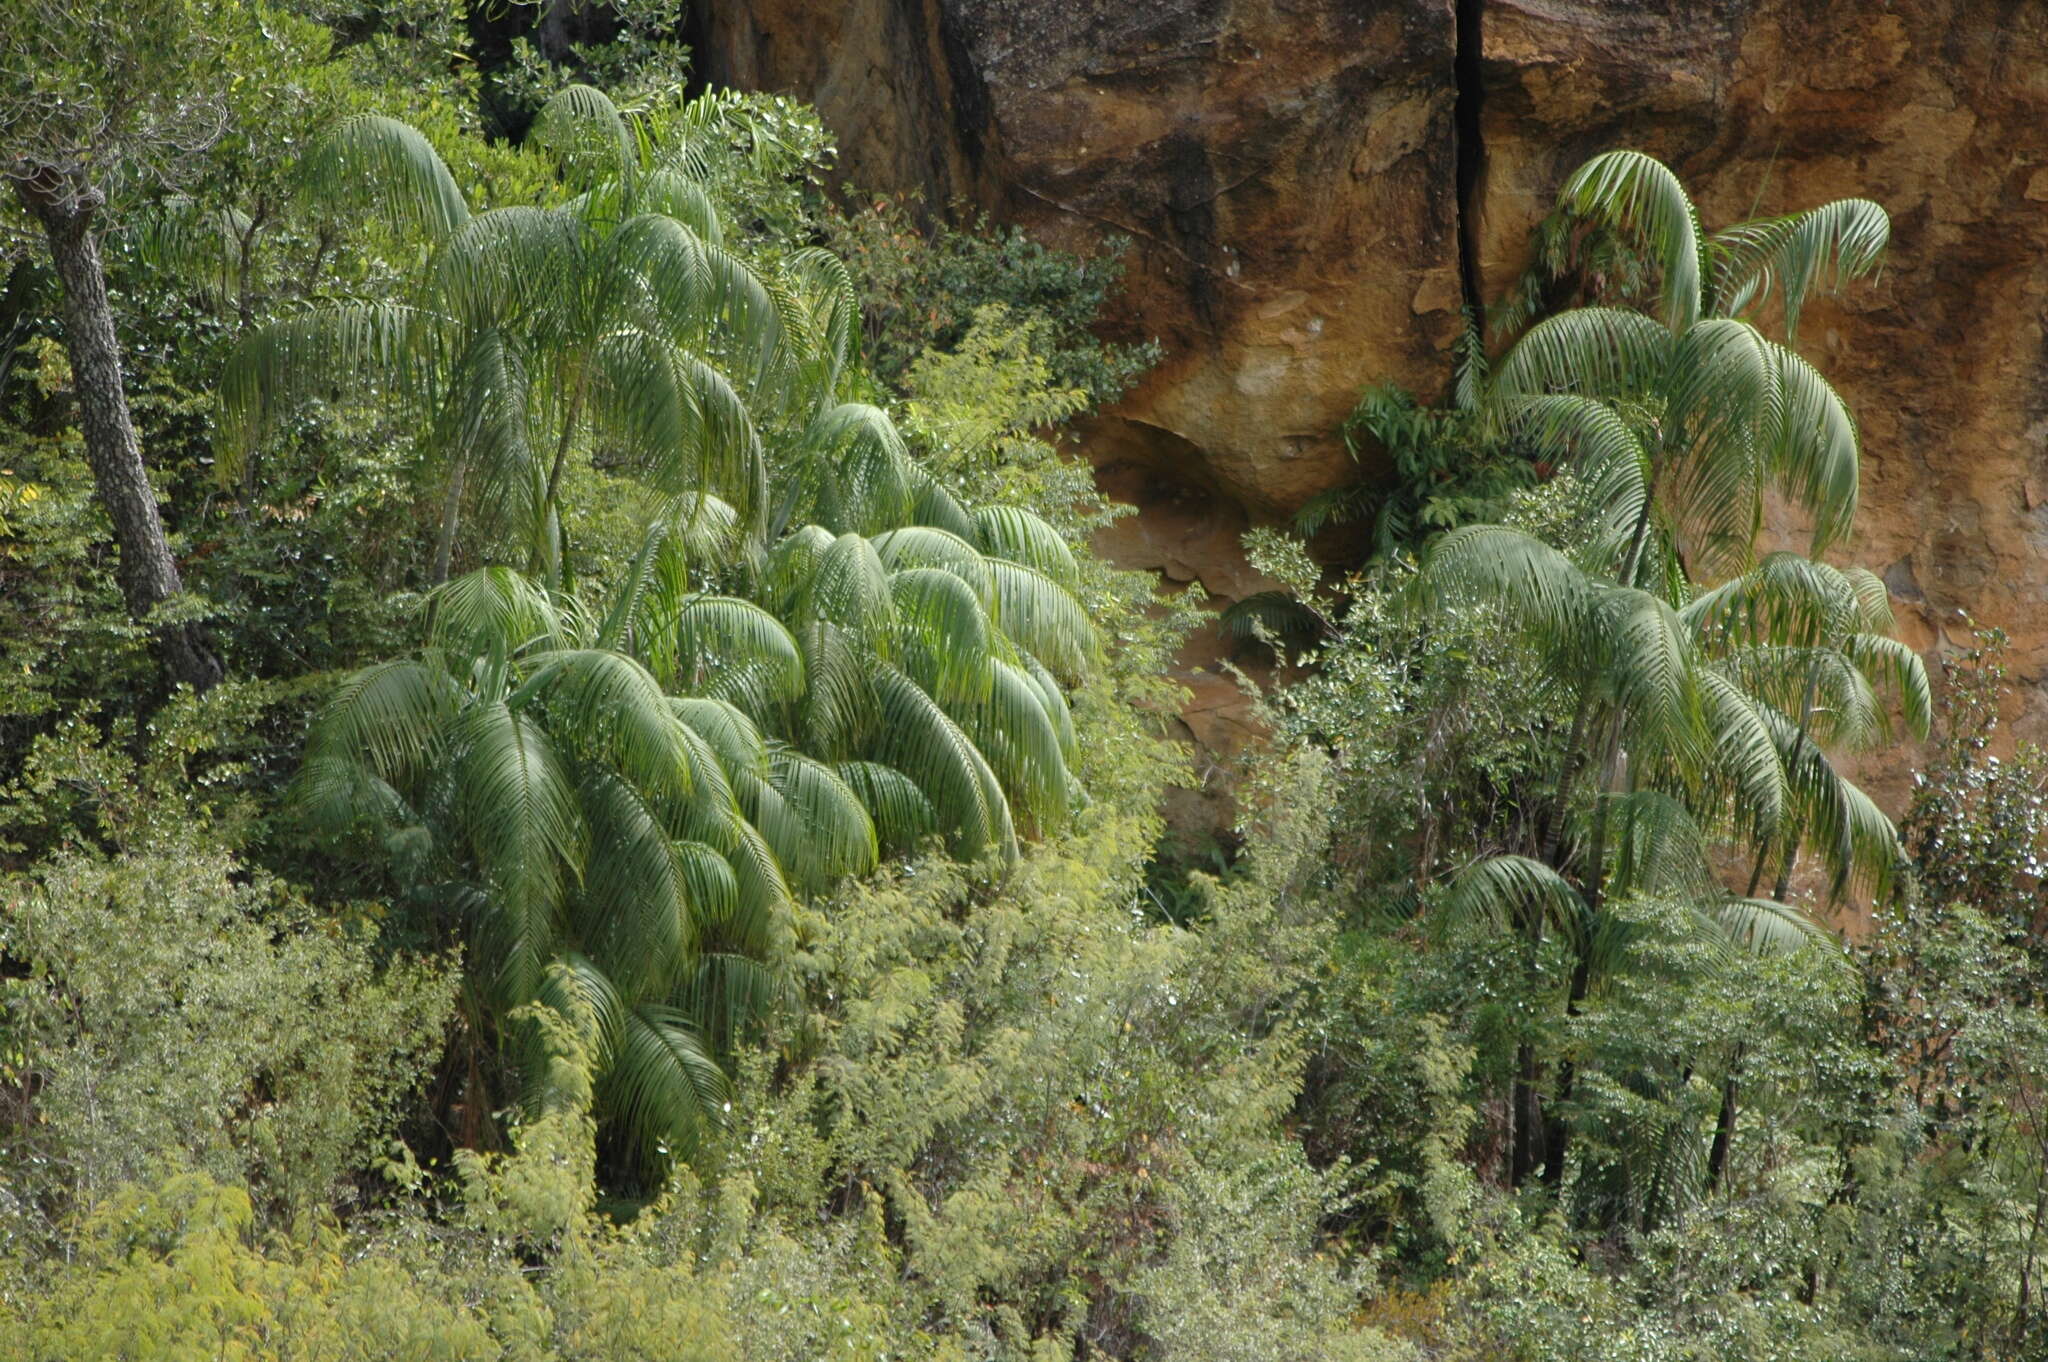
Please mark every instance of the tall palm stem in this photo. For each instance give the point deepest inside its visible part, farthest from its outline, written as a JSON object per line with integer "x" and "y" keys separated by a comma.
{"x": 1567, "y": 775}
{"x": 1557, "y": 1135}
{"x": 1806, "y": 713}
{"x": 451, "y": 515}
{"x": 1724, "y": 1124}
{"x": 1641, "y": 533}
{"x": 570, "y": 416}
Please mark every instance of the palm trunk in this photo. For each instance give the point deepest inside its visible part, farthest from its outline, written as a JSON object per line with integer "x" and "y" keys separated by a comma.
{"x": 1560, "y": 803}
{"x": 1526, "y": 1111}
{"x": 1525, "y": 1103}
{"x": 147, "y": 573}
{"x": 1724, "y": 1125}
{"x": 1806, "y": 708}
{"x": 1784, "y": 884}
{"x": 451, "y": 518}
{"x": 547, "y": 501}
{"x": 1557, "y": 1135}
{"x": 1636, "y": 540}
{"x": 1756, "y": 871}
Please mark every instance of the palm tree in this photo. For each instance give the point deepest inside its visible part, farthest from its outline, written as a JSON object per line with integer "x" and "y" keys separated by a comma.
{"x": 1711, "y": 412}
{"x": 639, "y": 793}
{"x": 1679, "y": 425}
{"x": 615, "y": 321}
{"x": 540, "y": 788}
{"x": 1811, "y": 646}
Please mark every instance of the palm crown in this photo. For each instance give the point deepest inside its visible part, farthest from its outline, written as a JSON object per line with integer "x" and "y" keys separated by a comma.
{"x": 614, "y": 320}
{"x": 1698, "y": 716}
{"x": 630, "y": 796}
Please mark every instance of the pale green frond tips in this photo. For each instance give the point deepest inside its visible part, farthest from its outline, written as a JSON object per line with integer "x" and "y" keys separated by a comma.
{"x": 492, "y": 606}
{"x": 1820, "y": 249}
{"x": 381, "y": 165}
{"x": 1745, "y": 753}
{"x": 665, "y": 194}
{"x": 588, "y": 137}
{"x": 922, "y": 546}
{"x": 861, "y": 467}
{"x": 1763, "y": 926}
{"x": 850, "y": 587}
{"x": 1016, "y": 534}
{"x": 613, "y": 706}
{"x": 1600, "y": 352}
{"x": 661, "y": 1082}
{"x": 1639, "y": 194}
{"x": 921, "y": 740}
{"x": 1513, "y": 893}
{"x": 1023, "y": 744}
{"x": 520, "y": 820}
{"x": 833, "y": 305}
{"x": 1900, "y": 671}
{"x": 1813, "y": 446}
{"x": 827, "y": 833}
{"x": 327, "y": 352}
{"x": 391, "y": 713}
{"x": 902, "y": 815}
{"x": 730, "y": 648}
{"x": 1034, "y": 612}
{"x": 727, "y": 730}
{"x": 1484, "y": 562}
{"x": 946, "y": 631}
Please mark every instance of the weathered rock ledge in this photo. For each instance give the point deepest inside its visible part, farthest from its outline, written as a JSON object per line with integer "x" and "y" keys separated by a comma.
{"x": 1312, "y": 187}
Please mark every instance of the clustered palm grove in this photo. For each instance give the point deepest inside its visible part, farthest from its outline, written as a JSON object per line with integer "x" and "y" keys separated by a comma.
{"x": 572, "y": 787}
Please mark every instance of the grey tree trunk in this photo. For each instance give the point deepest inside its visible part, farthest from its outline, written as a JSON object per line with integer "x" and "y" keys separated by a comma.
{"x": 144, "y": 567}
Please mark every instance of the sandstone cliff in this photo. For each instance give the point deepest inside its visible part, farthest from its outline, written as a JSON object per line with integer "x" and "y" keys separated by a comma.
{"x": 1314, "y": 186}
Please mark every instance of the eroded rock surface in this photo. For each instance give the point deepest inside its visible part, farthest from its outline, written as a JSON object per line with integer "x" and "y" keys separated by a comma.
{"x": 1288, "y": 173}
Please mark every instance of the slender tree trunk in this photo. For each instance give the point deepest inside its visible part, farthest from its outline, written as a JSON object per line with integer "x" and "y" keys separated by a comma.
{"x": 147, "y": 574}
{"x": 1756, "y": 871}
{"x": 547, "y": 501}
{"x": 1806, "y": 707}
{"x": 1784, "y": 885}
{"x": 1526, "y": 1110}
{"x": 1724, "y": 1125}
{"x": 451, "y": 518}
{"x": 1638, "y": 536}
{"x": 1560, "y": 804}
{"x": 1525, "y": 1102}
{"x": 1557, "y": 1135}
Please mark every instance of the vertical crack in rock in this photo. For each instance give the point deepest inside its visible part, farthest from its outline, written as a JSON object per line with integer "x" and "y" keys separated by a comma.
{"x": 1470, "y": 148}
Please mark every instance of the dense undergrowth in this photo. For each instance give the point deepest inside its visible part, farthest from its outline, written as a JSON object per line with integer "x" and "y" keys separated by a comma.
{"x": 674, "y": 867}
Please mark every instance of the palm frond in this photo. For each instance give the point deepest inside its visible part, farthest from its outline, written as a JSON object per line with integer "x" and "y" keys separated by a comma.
{"x": 369, "y": 162}
{"x": 587, "y": 136}
{"x": 521, "y": 822}
{"x": 1639, "y": 195}
{"x": 1015, "y": 534}
{"x": 1822, "y": 248}
{"x": 492, "y": 607}
{"x": 918, "y": 738}
{"x": 1600, "y": 352}
{"x": 661, "y": 1088}
{"x": 1512, "y": 893}
{"x": 391, "y": 717}
{"x": 899, "y": 810}
{"x": 1036, "y": 613}
{"x": 1761, "y": 926}
{"x": 345, "y": 349}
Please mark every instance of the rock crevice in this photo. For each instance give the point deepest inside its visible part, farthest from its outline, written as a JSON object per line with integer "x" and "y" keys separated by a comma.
{"x": 1315, "y": 189}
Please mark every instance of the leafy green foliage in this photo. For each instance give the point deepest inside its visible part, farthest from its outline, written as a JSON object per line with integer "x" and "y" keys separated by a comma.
{"x": 796, "y": 806}
{"x": 923, "y": 284}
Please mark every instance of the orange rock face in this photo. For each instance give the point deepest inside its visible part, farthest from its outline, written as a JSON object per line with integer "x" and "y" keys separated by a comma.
{"x": 1288, "y": 174}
